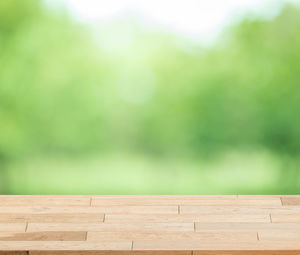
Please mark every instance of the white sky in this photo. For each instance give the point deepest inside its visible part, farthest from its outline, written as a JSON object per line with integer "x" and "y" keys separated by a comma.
{"x": 193, "y": 18}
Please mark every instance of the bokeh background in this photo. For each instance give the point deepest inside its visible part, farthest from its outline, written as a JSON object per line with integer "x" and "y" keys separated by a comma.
{"x": 149, "y": 97}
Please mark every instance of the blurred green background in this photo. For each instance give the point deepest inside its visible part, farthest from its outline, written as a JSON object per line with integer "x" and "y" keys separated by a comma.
{"x": 121, "y": 108}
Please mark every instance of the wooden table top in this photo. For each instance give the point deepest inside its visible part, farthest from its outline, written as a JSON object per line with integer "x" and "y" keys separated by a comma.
{"x": 146, "y": 225}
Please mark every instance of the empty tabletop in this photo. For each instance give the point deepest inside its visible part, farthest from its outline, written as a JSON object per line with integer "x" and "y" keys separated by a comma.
{"x": 146, "y": 225}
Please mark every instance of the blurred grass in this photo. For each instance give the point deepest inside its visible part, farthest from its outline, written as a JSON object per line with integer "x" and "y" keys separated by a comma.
{"x": 233, "y": 173}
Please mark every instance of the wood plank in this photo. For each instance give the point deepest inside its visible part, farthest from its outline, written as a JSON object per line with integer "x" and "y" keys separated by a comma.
{"x": 265, "y": 196}
{"x": 217, "y": 246}
{"x": 44, "y": 236}
{"x": 140, "y": 209}
{"x": 203, "y": 252}
{"x": 182, "y": 236}
{"x": 154, "y": 210}
{"x": 160, "y": 225}
{"x": 245, "y": 226}
{"x": 287, "y": 201}
{"x": 166, "y": 197}
{"x": 154, "y": 200}
{"x": 48, "y": 218}
{"x": 110, "y": 253}
{"x": 212, "y": 201}
{"x": 123, "y": 218}
{"x": 44, "y": 201}
{"x": 13, "y": 253}
{"x": 240, "y": 202}
{"x": 101, "y": 210}
{"x": 281, "y": 234}
{"x": 62, "y": 246}
{"x": 196, "y": 209}
{"x": 12, "y": 227}
{"x": 285, "y": 218}
{"x": 243, "y": 252}
{"x": 33, "y": 227}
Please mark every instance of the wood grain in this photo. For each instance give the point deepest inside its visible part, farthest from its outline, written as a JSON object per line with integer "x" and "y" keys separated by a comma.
{"x": 13, "y": 253}
{"x": 150, "y": 225}
{"x": 240, "y": 202}
{"x": 44, "y": 201}
{"x": 181, "y": 227}
{"x": 216, "y": 246}
{"x": 245, "y": 226}
{"x": 121, "y": 218}
{"x": 244, "y": 252}
{"x": 140, "y": 209}
{"x": 12, "y": 227}
{"x": 291, "y": 201}
{"x": 155, "y": 200}
{"x": 196, "y": 209}
{"x": 62, "y": 246}
{"x": 52, "y": 218}
{"x": 279, "y": 234}
{"x": 98, "y": 210}
{"x": 44, "y": 236}
{"x": 212, "y": 236}
{"x": 286, "y": 217}
{"x": 110, "y": 253}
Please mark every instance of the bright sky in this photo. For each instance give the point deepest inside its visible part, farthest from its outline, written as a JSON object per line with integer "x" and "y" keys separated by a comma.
{"x": 193, "y": 18}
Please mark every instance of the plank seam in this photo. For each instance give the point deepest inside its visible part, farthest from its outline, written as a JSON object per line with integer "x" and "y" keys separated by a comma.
{"x": 281, "y": 201}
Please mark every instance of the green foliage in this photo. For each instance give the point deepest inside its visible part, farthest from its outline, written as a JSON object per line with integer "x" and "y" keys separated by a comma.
{"x": 47, "y": 79}
{"x": 65, "y": 89}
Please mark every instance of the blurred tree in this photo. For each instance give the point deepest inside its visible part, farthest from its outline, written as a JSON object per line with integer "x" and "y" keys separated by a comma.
{"x": 49, "y": 74}
{"x": 67, "y": 90}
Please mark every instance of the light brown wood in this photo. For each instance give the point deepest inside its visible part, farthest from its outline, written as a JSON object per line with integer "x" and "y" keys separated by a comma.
{"x": 140, "y": 209}
{"x": 13, "y": 253}
{"x": 265, "y": 196}
{"x": 12, "y": 227}
{"x": 44, "y": 201}
{"x": 279, "y": 234}
{"x": 233, "y": 245}
{"x": 109, "y": 253}
{"x": 286, "y": 217}
{"x": 212, "y": 236}
{"x": 44, "y": 236}
{"x": 240, "y": 202}
{"x": 244, "y": 252}
{"x": 52, "y": 218}
{"x": 181, "y": 227}
{"x": 195, "y": 200}
{"x": 245, "y": 226}
{"x": 134, "y": 218}
{"x": 196, "y": 209}
{"x": 97, "y": 210}
{"x": 156, "y": 200}
{"x": 61, "y": 246}
{"x": 144, "y": 225}
{"x": 291, "y": 200}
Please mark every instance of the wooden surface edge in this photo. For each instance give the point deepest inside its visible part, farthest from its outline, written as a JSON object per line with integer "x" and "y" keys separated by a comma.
{"x": 155, "y": 252}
